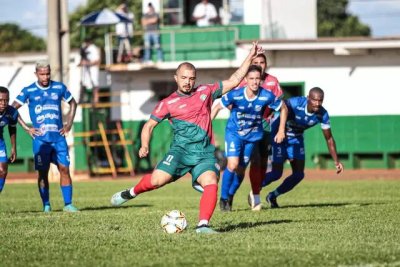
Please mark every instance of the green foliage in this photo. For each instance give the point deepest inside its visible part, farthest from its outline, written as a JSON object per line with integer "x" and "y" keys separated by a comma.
{"x": 15, "y": 39}
{"x": 334, "y": 21}
{"x": 321, "y": 223}
{"x": 97, "y": 33}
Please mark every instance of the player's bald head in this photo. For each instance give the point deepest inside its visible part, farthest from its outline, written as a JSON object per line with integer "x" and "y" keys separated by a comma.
{"x": 185, "y": 66}
{"x": 316, "y": 91}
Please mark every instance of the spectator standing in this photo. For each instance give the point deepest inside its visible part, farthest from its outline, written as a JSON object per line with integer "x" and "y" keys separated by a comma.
{"x": 124, "y": 32}
{"x": 150, "y": 23}
{"x": 90, "y": 64}
{"x": 204, "y": 14}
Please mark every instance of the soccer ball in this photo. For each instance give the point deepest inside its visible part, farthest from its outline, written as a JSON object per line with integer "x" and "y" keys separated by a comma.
{"x": 173, "y": 222}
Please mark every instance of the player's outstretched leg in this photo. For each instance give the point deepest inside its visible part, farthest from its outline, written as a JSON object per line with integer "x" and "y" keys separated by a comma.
{"x": 288, "y": 184}
{"x": 123, "y": 196}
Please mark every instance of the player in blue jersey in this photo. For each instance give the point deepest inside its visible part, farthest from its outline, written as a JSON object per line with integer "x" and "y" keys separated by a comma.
{"x": 303, "y": 113}
{"x": 244, "y": 128}
{"x": 8, "y": 116}
{"x": 44, "y": 99}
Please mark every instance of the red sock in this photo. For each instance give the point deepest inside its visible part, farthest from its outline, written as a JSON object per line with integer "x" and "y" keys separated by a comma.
{"x": 144, "y": 185}
{"x": 208, "y": 201}
{"x": 257, "y": 174}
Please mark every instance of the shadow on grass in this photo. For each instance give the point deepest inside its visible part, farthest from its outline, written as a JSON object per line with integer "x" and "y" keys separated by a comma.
{"x": 246, "y": 225}
{"x": 323, "y": 205}
{"x": 111, "y": 207}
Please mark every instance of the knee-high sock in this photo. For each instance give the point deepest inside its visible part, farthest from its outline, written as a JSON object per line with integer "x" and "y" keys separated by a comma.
{"x": 45, "y": 195}
{"x": 144, "y": 185}
{"x": 237, "y": 181}
{"x": 208, "y": 201}
{"x": 67, "y": 194}
{"x": 2, "y": 182}
{"x": 227, "y": 179}
{"x": 290, "y": 182}
{"x": 257, "y": 174}
{"x": 271, "y": 177}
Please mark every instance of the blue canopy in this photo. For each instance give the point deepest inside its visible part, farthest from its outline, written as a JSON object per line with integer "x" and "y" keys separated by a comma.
{"x": 103, "y": 17}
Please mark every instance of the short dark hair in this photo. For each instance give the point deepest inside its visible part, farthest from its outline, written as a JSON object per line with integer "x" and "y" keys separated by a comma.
{"x": 263, "y": 56}
{"x": 187, "y": 65}
{"x": 254, "y": 68}
{"x": 316, "y": 90}
{"x": 4, "y": 90}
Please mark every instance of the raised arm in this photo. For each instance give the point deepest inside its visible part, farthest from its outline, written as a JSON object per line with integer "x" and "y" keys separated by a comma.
{"x": 330, "y": 142}
{"x": 239, "y": 74}
{"x": 146, "y": 136}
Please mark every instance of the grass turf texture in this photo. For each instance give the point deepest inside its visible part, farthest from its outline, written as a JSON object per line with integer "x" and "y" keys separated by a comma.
{"x": 321, "y": 223}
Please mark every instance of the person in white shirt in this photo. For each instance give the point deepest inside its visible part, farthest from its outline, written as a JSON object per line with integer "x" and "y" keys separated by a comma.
{"x": 124, "y": 32}
{"x": 204, "y": 14}
{"x": 90, "y": 64}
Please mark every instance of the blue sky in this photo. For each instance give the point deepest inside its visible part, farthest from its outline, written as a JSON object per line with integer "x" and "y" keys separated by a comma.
{"x": 383, "y": 16}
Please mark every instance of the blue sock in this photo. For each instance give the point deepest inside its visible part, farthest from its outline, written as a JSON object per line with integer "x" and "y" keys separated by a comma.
{"x": 227, "y": 178}
{"x": 44, "y": 195}
{"x": 67, "y": 194}
{"x": 271, "y": 177}
{"x": 2, "y": 182}
{"x": 237, "y": 181}
{"x": 290, "y": 182}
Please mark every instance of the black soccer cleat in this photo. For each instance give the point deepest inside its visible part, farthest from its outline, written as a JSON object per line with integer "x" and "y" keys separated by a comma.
{"x": 224, "y": 205}
{"x": 271, "y": 199}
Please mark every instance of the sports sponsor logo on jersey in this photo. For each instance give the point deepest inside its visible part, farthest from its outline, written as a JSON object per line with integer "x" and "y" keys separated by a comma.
{"x": 31, "y": 89}
{"x": 51, "y": 116}
{"x": 50, "y": 107}
{"x": 48, "y": 128}
{"x": 182, "y": 106}
{"x": 203, "y": 97}
{"x": 57, "y": 86}
{"x": 54, "y": 96}
{"x": 250, "y": 105}
{"x": 299, "y": 108}
{"x": 38, "y": 109}
{"x": 173, "y": 101}
{"x": 298, "y": 117}
{"x": 241, "y": 107}
{"x": 263, "y": 98}
{"x": 258, "y": 108}
{"x": 238, "y": 97}
{"x": 201, "y": 88}
{"x": 45, "y": 94}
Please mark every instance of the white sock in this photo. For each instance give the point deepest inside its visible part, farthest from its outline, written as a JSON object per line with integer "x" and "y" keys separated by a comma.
{"x": 202, "y": 222}
{"x": 132, "y": 192}
{"x": 256, "y": 199}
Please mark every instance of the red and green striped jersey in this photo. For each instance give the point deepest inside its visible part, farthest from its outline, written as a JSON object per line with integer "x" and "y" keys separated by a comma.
{"x": 189, "y": 116}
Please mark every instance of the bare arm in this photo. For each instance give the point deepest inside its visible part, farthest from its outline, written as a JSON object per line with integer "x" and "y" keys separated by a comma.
{"x": 330, "y": 141}
{"x": 282, "y": 124}
{"x": 239, "y": 74}
{"x": 146, "y": 136}
{"x": 30, "y": 130}
{"x": 70, "y": 117}
{"x": 12, "y": 130}
{"x": 215, "y": 110}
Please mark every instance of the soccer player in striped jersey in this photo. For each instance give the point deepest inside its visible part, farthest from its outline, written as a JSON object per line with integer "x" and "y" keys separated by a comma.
{"x": 192, "y": 150}
{"x": 244, "y": 129}
{"x": 8, "y": 116}
{"x": 303, "y": 113}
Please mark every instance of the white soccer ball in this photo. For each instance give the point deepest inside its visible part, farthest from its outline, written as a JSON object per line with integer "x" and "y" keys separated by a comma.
{"x": 173, "y": 222}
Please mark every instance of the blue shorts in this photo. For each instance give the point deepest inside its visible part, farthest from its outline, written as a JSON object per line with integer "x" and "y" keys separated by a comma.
{"x": 292, "y": 149}
{"x": 236, "y": 147}
{"x": 3, "y": 152}
{"x": 46, "y": 153}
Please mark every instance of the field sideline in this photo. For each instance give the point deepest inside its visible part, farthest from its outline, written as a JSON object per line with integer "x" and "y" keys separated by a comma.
{"x": 323, "y": 222}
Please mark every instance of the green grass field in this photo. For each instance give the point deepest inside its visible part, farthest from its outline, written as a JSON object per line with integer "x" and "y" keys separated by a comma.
{"x": 321, "y": 223}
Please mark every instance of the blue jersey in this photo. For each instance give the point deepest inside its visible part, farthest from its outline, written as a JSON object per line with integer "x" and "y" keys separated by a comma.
{"x": 45, "y": 108}
{"x": 247, "y": 114}
{"x": 9, "y": 117}
{"x": 299, "y": 119}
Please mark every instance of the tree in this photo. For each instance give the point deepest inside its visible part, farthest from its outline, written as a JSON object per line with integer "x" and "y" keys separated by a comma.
{"x": 334, "y": 21}
{"x": 97, "y": 33}
{"x": 15, "y": 39}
